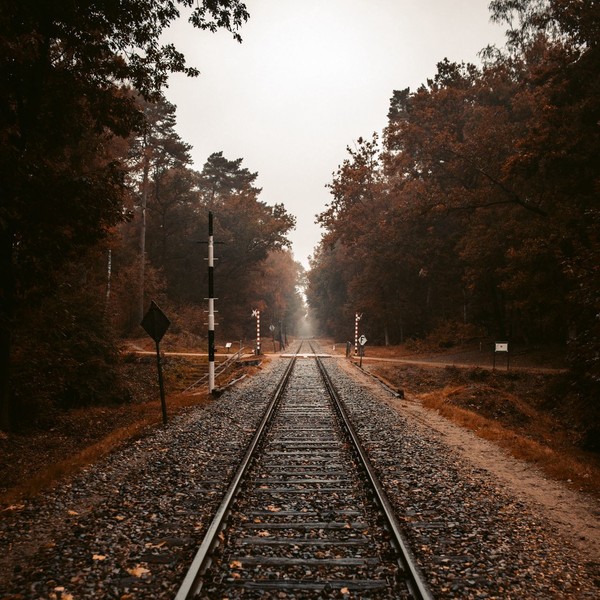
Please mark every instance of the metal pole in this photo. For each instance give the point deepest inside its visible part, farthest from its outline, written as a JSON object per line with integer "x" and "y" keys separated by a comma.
{"x": 211, "y": 307}
{"x": 161, "y": 385}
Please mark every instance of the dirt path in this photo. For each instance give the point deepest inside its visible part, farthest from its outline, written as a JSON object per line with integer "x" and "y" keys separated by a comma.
{"x": 575, "y": 516}
{"x": 444, "y": 361}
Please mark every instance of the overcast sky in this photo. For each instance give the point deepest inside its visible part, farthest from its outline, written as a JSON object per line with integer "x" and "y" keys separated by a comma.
{"x": 311, "y": 77}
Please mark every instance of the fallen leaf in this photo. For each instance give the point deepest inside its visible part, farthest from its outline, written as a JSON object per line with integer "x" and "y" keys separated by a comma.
{"x": 345, "y": 590}
{"x": 73, "y": 513}
{"x": 235, "y": 564}
{"x": 14, "y": 507}
{"x": 99, "y": 557}
{"x": 273, "y": 508}
{"x": 60, "y": 594}
{"x": 263, "y": 533}
{"x": 138, "y": 571}
{"x": 120, "y": 518}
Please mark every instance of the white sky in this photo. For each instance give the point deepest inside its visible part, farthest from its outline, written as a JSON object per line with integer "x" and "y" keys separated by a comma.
{"x": 311, "y": 77}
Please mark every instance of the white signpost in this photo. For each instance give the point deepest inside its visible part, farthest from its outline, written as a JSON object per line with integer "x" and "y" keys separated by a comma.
{"x": 501, "y": 347}
{"x": 362, "y": 340}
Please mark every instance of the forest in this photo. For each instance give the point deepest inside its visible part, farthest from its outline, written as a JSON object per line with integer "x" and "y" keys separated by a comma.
{"x": 475, "y": 213}
{"x": 102, "y": 211}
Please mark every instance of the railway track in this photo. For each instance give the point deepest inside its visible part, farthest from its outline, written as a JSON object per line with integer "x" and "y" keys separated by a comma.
{"x": 304, "y": 516}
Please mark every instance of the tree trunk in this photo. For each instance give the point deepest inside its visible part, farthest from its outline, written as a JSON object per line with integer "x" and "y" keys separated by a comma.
{"x": 7, "y": 302}
{"x": 499, "y": 311}
{"x": 108, "y": 284}
{"x": 143, "y": 244}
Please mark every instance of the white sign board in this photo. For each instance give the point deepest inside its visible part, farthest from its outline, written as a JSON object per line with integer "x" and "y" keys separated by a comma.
{"x": 501, "y": 346}
{"x": 362, "y": 340}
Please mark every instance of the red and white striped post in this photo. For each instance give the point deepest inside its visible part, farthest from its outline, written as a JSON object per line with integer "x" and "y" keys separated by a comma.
{"x": 357, "y": 318}
{"x": 256, "y": 313}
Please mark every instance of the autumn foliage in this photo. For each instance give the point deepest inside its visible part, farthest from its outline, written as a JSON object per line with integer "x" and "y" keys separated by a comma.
{"x": 101, "y": 211}
{"x": 479, "y": 205}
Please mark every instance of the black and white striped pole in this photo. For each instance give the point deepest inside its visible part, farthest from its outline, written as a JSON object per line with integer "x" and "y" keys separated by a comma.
{"x": 357, "y": 318}
{"x": 211, "y": 307}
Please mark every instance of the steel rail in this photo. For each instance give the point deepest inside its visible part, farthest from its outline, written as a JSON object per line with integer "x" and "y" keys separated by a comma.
{"x": 192, "y": 583}
{"x": 413, "y": 577}
{"x": 410, "y": 573}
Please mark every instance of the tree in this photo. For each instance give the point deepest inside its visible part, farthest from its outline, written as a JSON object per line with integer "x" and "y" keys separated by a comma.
{"x": 354, "y": 220}
{"x": 327, "y": 290}
{"x": 249, "y": 231}
{"x": 560, "y": 156}
{"x": 486, "y": 206}
{"x": 65, "y": 69}
{"x": 222, "y": 178}
{"x": 249, "y": 234}
{"x": 453, "y": 141}
{"x": 155, "y": 153}
{"x": 276, "y": 291}
{"x": 383, "y": 249}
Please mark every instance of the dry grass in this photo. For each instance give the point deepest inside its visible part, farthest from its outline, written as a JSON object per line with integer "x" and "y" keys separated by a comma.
{"x": 555, "y": 462}
{"x": 126, "y": 423}
{"x": 33, "y": 460}
{"x": 529, "y": 411}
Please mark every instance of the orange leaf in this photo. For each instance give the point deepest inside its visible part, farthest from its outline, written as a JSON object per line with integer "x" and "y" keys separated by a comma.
{"x": 138, "y": 571}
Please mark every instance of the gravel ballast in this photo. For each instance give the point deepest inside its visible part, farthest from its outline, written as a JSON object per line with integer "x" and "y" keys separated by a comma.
{"x": 128, "y": 526}
{"x": 471, "y": 535}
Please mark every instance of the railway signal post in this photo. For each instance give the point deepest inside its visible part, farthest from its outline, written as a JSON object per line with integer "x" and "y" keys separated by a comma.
{"x": 357, "y": 318}
{"x": 211, "y": 307}
{"x": 256, "y": 313}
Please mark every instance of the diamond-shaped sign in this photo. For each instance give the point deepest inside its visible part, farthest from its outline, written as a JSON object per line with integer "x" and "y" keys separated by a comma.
{"x": 155, "y": 322}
